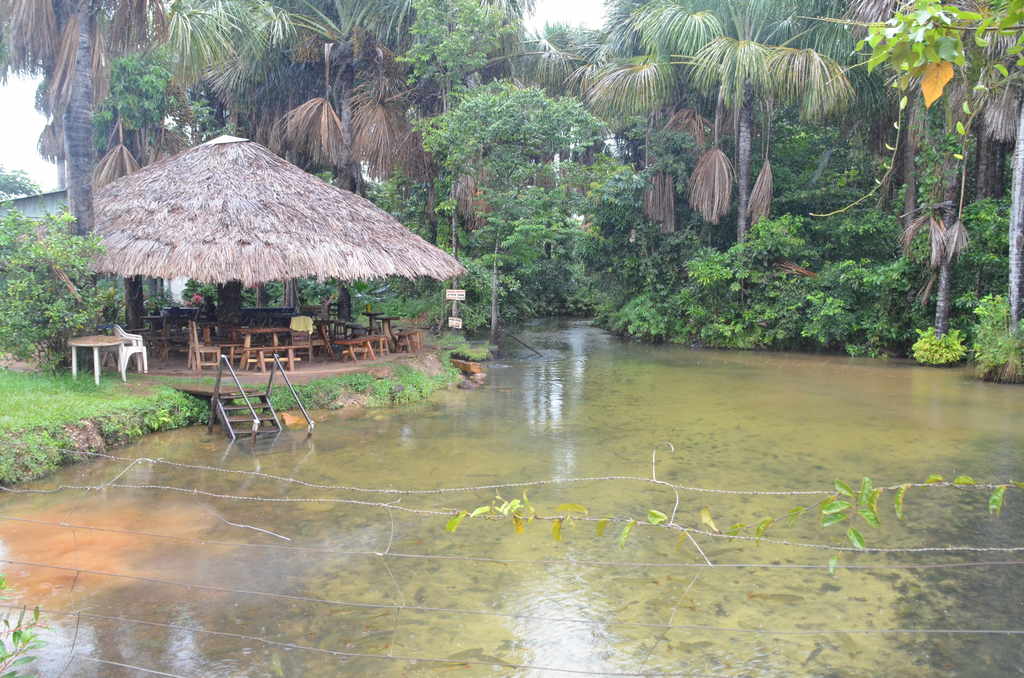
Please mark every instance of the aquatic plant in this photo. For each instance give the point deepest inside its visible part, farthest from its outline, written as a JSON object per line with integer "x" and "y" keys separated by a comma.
{"x": 945, "y": 350}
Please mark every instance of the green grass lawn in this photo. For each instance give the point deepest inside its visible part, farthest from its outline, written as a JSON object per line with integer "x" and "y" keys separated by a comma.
{"x": 31, "y": 400}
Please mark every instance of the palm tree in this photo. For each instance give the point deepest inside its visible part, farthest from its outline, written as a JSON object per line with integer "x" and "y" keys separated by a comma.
{"x": 69, "y": 41}
{"x": 740, "y": 53}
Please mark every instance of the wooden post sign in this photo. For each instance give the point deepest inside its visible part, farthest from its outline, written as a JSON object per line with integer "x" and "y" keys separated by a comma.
{"x": 455, "y": 295}
{"x": 455, "y": 323}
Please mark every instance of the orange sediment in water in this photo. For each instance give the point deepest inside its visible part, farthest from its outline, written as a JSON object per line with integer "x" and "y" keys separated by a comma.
{"x": 110, "y": 549}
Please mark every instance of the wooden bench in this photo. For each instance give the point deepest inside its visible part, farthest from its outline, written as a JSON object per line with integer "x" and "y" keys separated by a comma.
{"x": 263, "y": 355}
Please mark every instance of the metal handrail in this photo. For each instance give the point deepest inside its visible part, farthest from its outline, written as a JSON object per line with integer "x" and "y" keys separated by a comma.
{"x": 278, "y": 366}
{"x": 216, "y": 391}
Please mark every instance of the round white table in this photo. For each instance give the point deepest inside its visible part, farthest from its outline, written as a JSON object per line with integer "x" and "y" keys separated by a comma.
{"x": 95, "y": 342}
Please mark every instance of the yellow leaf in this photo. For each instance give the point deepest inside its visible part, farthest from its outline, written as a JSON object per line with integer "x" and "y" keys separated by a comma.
{"x": 705, "y": 517}
{"x": 934, "y": 79}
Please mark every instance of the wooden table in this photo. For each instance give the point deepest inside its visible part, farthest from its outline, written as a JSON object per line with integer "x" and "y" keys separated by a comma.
{"x": 247, "y": 333}
{"x": 95, "y": 342}
{"x": 385, "y": 328}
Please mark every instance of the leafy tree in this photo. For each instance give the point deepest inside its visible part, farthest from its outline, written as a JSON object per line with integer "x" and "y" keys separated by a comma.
{"x": 15, "y": 183}
{"x": 47, "y": 292}
{"x": 517, "y": 147}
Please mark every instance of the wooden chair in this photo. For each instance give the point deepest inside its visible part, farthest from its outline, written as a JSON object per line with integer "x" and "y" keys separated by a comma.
{"x": 302, "y": 341}
{"x": 198, "y": 352}
{"x": 410, "y": 341}
{"x": 132, "y": 344}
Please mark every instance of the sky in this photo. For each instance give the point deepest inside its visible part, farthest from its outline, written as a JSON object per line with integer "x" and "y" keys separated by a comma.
{"x": 21, "y": 124}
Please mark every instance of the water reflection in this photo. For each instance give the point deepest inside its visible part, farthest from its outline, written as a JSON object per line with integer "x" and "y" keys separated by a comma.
{"x": 302, "y": 571}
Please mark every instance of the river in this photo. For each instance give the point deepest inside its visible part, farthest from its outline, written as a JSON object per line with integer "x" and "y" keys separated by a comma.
{"x": 204, "y": 559}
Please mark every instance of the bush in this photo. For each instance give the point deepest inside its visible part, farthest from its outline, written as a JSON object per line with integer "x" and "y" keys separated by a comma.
{"x": 932, "y": 350}
{"x": 47, "y": 290}
{"x": 998, "y": 351}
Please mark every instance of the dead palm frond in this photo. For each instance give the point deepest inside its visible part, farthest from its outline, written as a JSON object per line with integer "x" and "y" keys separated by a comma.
{"x": 51, "y": 141}
{"x": 689, "y": 121}
{"x": 63, "y": 77}
{"x": 137, "y": 24}
{"x": 315, "y": 129}
{"x": 380, "y": 134}
{"x": 467, "y": 201}
{"x": 33, "y": 38}
{"x": 118, "y": 162}
{"x": 999, "y": 116}
{"x": 957, "y": 240}
{"x": 711, "y": 185}
{"x": 660, "y": 201}
{"x": 936, "y": 229}
{"x": 761, "y": 195}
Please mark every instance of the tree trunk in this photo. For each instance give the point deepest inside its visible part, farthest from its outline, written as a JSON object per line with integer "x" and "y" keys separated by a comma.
{"x": 942, "y": 298}
{"x": 983, "y": 166}
{"x": 909, "y": 162}
{"x": 431, "y": 209}
{"x": 494, "y": 297}
{"x": 78, "y": 131}
{"x": 1017, "y": 223}
{"x": 744, "y": 153}
{"x": 134, "y": 302}
{"x": 291, "y": 294}
{"x": 229, "y": 310}
{"x": 344, "y": 302}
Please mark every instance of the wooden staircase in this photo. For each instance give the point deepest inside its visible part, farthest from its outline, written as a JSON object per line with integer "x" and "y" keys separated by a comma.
{"x": 250, "y": 412}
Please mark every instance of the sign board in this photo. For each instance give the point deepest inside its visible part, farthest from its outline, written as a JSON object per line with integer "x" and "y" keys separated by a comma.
{"x": 455, "y": 323}
{"x": 455, "y": 295}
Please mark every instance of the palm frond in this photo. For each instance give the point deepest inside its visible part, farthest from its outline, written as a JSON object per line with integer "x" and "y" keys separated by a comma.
{"x": 202, "y": 34}
{"x": 711, "y": 185}
{"x": 632, "y": 87}
{"x": 760, "y": 205}
{"x": 818, "y": 83}
{"x": 669, "y": 27}
{"x": 733, "y": 66}
{"x": 315, "y": 129}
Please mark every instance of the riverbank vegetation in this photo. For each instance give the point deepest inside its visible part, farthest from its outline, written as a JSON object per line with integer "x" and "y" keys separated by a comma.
{"x": 724, "y": 173}
{"x": 49, "y": 419}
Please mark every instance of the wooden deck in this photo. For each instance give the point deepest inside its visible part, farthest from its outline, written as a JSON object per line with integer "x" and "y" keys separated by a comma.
{"x": 201, "y": 384}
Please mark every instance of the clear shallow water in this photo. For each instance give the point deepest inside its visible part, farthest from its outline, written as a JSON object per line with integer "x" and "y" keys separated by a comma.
{"x": 592, "y": 406}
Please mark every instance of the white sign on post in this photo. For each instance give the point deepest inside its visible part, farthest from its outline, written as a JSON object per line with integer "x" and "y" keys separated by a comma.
{"x": 455, "y": 295}
{"x": 455, "y": 323}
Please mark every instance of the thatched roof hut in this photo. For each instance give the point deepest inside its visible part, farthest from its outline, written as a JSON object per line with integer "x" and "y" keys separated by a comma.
{"x": 230, "y": 210}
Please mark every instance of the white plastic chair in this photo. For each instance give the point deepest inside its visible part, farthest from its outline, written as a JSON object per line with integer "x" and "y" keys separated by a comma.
{"x": 132, "y": 345}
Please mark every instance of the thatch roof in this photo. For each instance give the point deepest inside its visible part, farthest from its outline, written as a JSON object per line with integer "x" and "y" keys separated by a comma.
{"x": 230, "y": 209}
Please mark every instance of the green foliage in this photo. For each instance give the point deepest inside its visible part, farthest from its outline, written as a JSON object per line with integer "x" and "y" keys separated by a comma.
{"x": 18, "y": 637}
{"x": 998, "y": 349}
{"x": 35, "y": 441}
{"x": 139, "y": 85}
{"x": 406, "y": 385}
{"x": 48, "y": 292}
{"x": 932, "y": 350}
{"x": 451, "y": 39}
{"x": 15, "y": 183}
